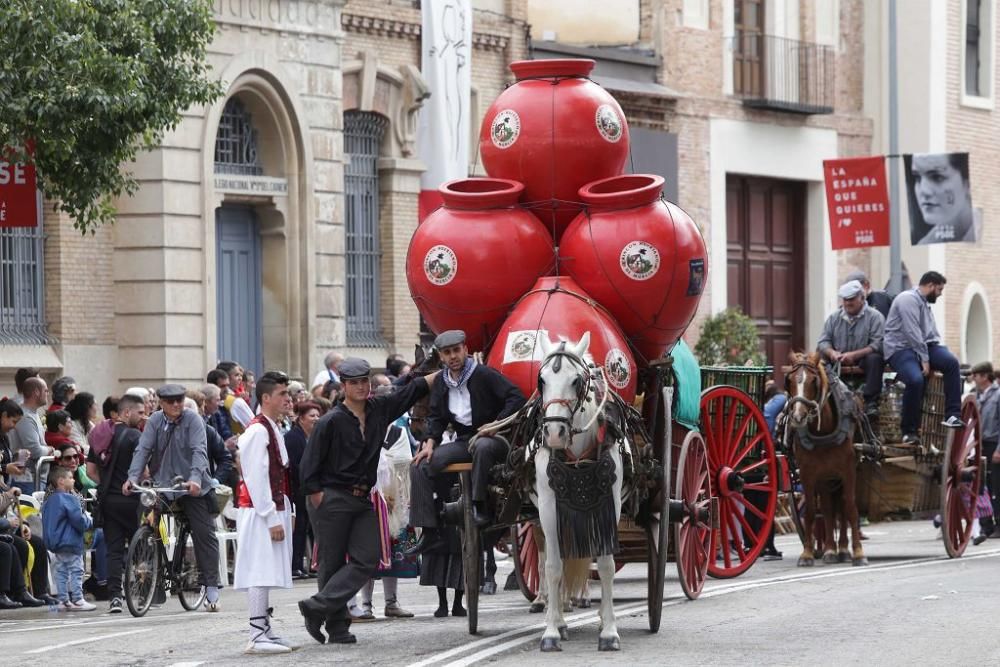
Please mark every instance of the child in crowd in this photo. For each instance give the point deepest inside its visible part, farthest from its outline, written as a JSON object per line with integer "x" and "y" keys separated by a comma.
{"x": 64, "y": 523}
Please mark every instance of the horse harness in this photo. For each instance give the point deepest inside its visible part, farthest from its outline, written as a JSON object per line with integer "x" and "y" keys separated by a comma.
{"x": 844, "y": 406}
{"x": 575, "y": 405}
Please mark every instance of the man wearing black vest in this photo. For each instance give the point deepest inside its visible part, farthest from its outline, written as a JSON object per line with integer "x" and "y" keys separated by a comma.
{"x": 119, "y": 514}
{"x": 467, "y": 395}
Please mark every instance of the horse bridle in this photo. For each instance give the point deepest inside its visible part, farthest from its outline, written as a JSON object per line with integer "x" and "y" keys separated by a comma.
{"x": 813, "y": 407}
{"x": 573, "y": 405}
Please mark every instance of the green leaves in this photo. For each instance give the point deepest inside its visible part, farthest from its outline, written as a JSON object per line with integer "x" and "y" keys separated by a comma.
{"x": 92, "y": 82}
{"x": 729, "y": 338}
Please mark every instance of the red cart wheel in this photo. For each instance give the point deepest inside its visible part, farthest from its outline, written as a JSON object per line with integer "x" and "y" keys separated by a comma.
{"x": 960, "y": 480}
{"x": 525, "y": 555}
{"x": 693, "y": 534}
{"x": 741, "y": 458}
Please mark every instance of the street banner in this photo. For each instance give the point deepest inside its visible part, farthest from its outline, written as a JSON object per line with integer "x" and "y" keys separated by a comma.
{"x": 443, "y": 129}
{"x": 18, "y": 195}
{"x": 940, "y": 199}
{"x": 858, "y": 202}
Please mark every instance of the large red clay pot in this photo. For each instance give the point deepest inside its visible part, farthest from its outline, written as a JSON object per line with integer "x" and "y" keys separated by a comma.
{"x": 639, "y": 256}
{"x": 554, "y": 130}
{"x": 558, "y": 308}
{"x": 472, "y": 259}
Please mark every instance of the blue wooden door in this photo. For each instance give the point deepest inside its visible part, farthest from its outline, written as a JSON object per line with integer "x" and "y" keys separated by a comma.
{"x": 238, "y": 291}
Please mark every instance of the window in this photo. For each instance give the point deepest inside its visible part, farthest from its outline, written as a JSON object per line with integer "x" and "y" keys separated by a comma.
{"x": 362, "y": 139}
{"x": 22, "y": 304}
{"x": 972, "y": 39}
{"x": 236, "y": 142}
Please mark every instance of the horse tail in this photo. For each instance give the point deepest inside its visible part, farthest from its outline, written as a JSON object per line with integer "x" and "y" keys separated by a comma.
{"x": 576, "y": 571}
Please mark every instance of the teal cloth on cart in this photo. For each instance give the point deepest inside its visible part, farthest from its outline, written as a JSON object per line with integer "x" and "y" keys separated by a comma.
{"x": 687, "y": 403}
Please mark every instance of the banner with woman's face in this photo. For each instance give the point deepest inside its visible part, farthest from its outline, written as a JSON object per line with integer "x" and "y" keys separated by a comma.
{"x": 940, "y": 198}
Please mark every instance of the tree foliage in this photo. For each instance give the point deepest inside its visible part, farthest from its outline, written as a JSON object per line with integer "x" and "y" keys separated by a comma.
{"x": 89, "y": 83}
{"x": 729, "y": 338}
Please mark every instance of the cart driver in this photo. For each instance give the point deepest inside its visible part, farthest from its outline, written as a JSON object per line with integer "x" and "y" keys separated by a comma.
{"x": 853, "y": 336}
{"x": 469, "y": 396}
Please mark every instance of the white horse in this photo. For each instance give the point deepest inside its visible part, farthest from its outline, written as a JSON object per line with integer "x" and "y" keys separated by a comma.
{"x": 570, "y": 407}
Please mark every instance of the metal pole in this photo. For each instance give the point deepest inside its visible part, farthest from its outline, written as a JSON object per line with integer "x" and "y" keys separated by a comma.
{"x": 895, "y": 253}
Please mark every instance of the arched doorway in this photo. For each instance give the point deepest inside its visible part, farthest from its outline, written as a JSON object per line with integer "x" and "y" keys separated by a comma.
{"x": 977, "y": 343}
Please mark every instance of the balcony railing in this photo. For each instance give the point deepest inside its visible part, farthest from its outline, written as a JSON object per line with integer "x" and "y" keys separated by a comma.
{"x": 783, "y": 74}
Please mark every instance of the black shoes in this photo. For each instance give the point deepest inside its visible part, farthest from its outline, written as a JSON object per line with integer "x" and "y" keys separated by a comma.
{"x": 952, "y": 422}
{"x": 481, "y": 517}
{"x": 429, "y": 539}
{"x": 28, "y": 600}
{"x": 7, "y": 603}
{"x": 314, "y": 621}
{"x": 338, "y": 631}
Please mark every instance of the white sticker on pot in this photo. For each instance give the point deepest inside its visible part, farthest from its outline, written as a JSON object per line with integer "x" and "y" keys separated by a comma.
{"x": 639, "y": 260}
{"x": 609, "y": 123}
{"x": 616, "y": 368}
{"x": 522, "y": 346}
{"x": 505, "y": 129}
{"x": 440, "y": 265}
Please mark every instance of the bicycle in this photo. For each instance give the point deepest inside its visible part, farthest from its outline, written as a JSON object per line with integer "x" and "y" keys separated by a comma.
{"x": 147, "y": 569}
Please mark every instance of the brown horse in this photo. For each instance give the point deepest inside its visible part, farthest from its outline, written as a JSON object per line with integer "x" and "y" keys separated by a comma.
{"x": 822, "y": 428}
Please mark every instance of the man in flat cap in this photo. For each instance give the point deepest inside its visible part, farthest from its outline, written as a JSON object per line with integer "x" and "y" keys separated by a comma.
{"x": 468, "y": 395}
{"x": 852, "y": 336}
{"x": 338, "y": 470}
{"x": 173, "y": 444}
{"x": 988, "y": 397}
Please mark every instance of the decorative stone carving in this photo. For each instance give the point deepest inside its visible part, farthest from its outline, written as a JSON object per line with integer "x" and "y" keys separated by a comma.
{"x": 374, "y": 25}
{"x": 308, "y": 16}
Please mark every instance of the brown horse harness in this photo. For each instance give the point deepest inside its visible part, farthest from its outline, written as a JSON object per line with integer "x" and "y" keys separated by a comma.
{"x": 843, "y": 403}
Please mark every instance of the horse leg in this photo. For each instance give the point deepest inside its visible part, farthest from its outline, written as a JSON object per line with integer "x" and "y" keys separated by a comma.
{"x": 553, "y": 559}
{"x": 827, "y": 507}
{"x": 489, "y": 586}
{"x": 538, "y": 604}
{"x": 843, "y": 553}
{"x": 851, "y": 512}
{"x": 808, "y": 558}
{"x": 608, "y": 640}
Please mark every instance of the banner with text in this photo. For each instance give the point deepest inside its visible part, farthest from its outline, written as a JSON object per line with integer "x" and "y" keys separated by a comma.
{"x": 18, "y": 195}
{"x": 858, "y": 202}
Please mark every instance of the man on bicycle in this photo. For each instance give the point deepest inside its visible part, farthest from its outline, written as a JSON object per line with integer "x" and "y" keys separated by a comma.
{"x": 174, "y": 444}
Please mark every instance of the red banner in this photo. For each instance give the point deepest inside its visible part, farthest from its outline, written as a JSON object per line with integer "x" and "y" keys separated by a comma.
{"x": 858, "y": 202}
{"x": 18, "y": 198}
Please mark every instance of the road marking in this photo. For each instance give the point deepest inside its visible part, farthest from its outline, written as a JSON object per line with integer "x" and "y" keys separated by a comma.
{"x": 54, "y": 647}
{"x": 515, "y": 637}
{"x": 187, "y": 664}
{"x": 104, "y": 621}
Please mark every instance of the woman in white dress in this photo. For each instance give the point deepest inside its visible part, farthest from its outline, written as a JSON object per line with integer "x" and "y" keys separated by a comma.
{"x": 264, "y": 517}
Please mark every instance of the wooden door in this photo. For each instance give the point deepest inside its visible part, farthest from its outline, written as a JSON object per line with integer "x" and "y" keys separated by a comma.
{"x": 238, "y": 289}
{"x": 765, "y": 237}
{"x": 748, "y": 48}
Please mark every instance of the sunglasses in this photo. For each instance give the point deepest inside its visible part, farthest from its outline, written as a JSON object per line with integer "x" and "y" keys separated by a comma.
{"x": 173, "y": 399}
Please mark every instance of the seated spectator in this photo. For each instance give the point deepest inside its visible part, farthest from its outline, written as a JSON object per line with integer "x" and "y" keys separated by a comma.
{"x": 58, "y": 429}
{"x": 83, "y": 412}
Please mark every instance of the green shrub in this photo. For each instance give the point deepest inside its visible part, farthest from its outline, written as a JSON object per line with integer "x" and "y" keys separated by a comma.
{"x": 729, "y": 338}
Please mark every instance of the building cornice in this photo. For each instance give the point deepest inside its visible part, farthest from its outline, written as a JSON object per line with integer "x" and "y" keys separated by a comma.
{"x": 384, "y": 27}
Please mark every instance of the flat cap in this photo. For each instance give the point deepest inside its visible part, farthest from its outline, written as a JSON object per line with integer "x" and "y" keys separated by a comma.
{"x": 171, "y": 391}
{"x": 449, "y": 338}
{"x": 353, "y": 368}
{"x": 850, "y": 289}
{"x": 984, "y": 367}
{"x": 860, "y": 276}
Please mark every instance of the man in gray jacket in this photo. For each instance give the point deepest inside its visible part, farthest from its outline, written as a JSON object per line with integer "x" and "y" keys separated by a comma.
{"x": 913, "y": 348}
{"x": 29, "y": 435}
{"x": 852, "y": 336}
{"x": 173, "y": 444}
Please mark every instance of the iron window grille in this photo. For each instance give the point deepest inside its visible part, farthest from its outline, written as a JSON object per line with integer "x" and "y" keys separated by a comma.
{"x": 22, "y": 287}
{"x": 363, "y": 132}
{"x": 972, "y": 38}
{"x": 236, "y": 142}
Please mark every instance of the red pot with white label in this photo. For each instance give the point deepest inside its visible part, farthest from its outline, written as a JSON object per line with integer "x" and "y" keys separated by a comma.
{"x": 554, "y": 130}
{"x": 639, "y": 256}
{"x": 472, "y": 259}
{"x": 558, "y": 308}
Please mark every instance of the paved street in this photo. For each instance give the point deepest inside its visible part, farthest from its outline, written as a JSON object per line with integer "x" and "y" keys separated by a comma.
{"x": 911, "y": 606}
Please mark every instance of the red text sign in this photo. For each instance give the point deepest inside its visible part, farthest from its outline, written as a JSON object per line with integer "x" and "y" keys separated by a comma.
{"x": 858, "y": 202}
{"x": 18, "y": 200}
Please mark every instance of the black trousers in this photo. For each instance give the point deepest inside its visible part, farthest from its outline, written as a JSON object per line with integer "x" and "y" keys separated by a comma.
{"x": 40, "y": 568}
{"x": 299, "y": 531}
{"x": 428, "y": 479}
{"x": 11, "y": 570}
{"x": 120, "y": 515}
{"x": 344, "y": 525}
{"x": 992, "y": 475}
{"x": 873, "y": 365}
{"x": 200, "y": 513}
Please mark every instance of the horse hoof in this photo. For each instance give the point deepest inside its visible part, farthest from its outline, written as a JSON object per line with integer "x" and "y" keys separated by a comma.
{"x": 564, "y": 633}
{"x": 608, "y": 644}
{"x": 536, "y": 607}
{"x": 830, "y": 558}
{"x": 583, "y": 603}
{"x": 844, "y": 556}
{"x": 806, "y": 562}
{"x": 550, "y": 645}
{"x": 489, "y": 588}
{"x": 567, "y": 606}
{"x": 857, "y": 562}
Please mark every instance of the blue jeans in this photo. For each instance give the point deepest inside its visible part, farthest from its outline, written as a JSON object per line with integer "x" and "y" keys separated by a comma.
{"x": 99, "y": 561}
{"x": 906, "y": 363}
{"x": 69, "y": 576}
{"x": 26, "y": 487}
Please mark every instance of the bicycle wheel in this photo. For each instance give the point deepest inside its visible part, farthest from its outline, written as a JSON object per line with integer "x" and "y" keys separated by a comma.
{"x": 185, "y": 571}
{"x": 142, "y": 570}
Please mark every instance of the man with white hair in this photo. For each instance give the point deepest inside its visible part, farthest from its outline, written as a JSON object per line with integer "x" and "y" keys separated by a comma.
{"x": 852, "y": 336}
{"x": 329, "y": 372}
